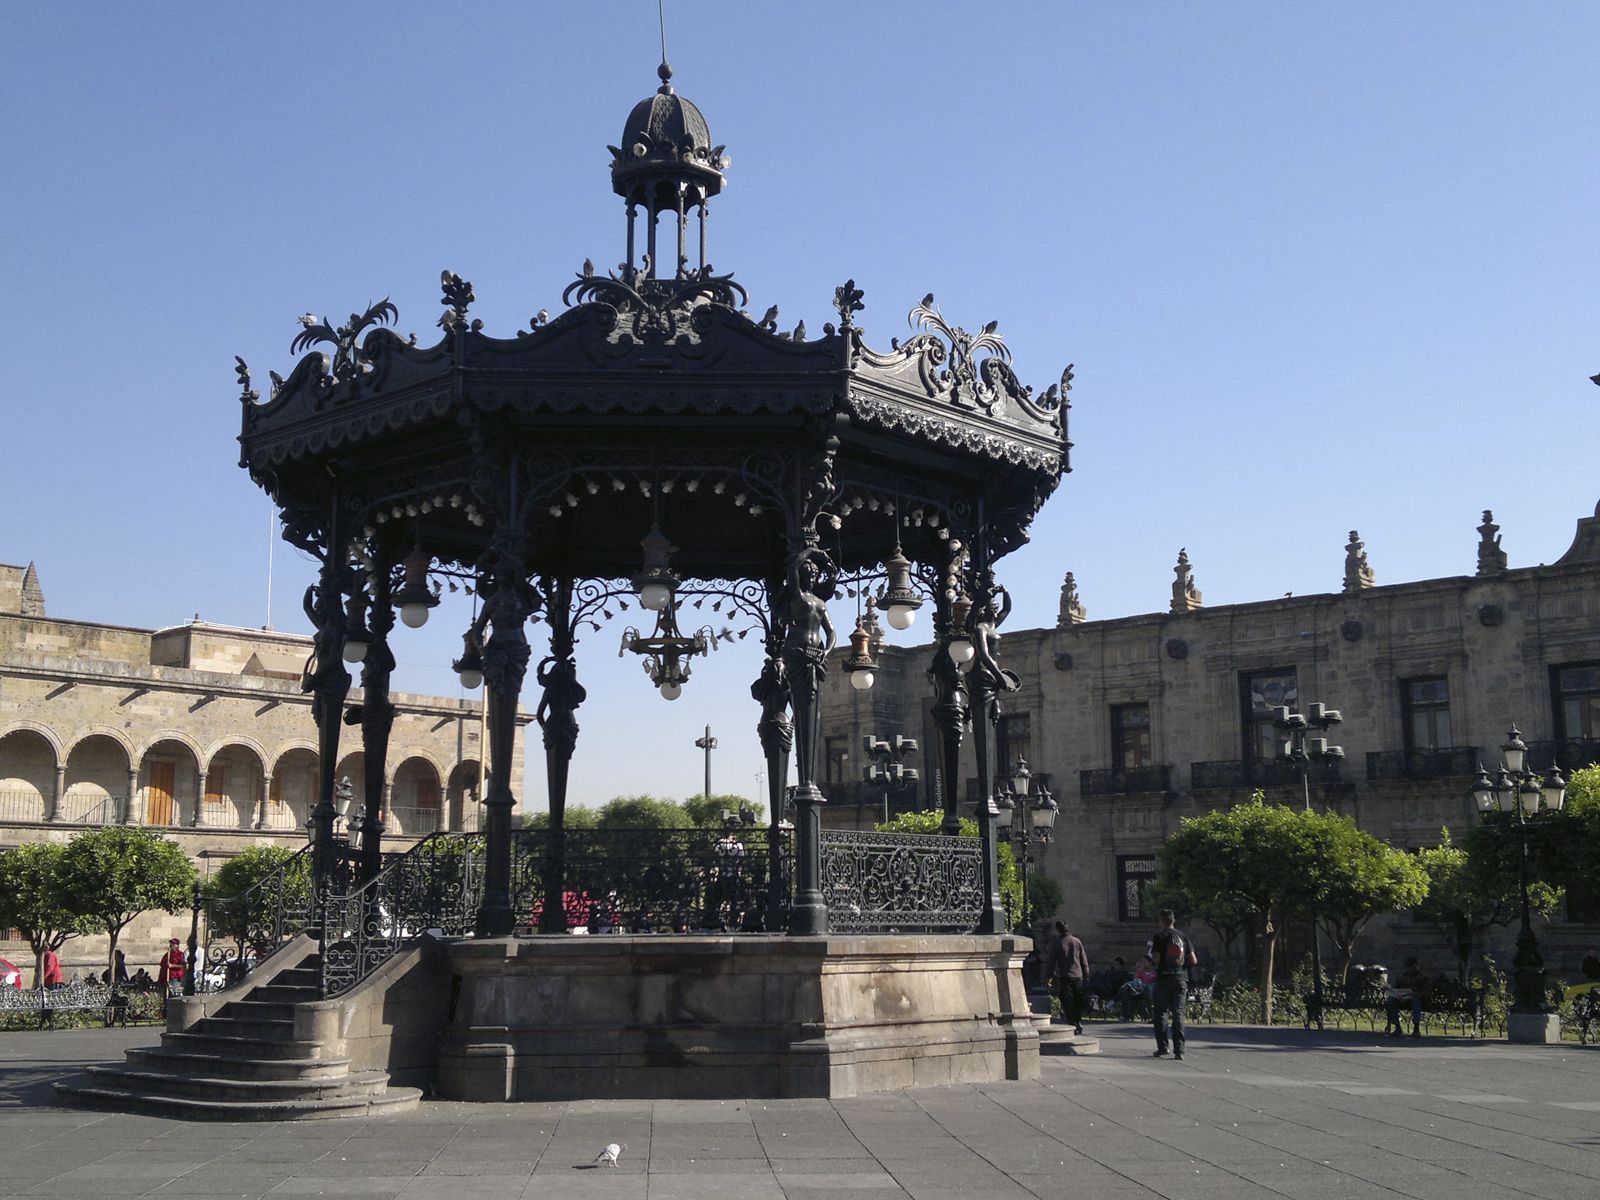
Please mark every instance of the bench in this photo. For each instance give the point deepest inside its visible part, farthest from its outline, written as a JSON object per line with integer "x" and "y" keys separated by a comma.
{"x": 1367, "y": 994}
{"x": 1198, "y": 1007}
{"x": 114, "y": 1004}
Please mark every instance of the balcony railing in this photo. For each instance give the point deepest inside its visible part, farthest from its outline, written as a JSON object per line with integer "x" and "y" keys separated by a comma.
{"x": 1125, "y": 781}
{"x": 23, "y": 806}
{"x": 91, "y": 810}
{"x": 1257, "y": 773}
{"x": 1568, "y": 755}
{"x": 414, "y": 822}
{"x": 1444, "y": 763}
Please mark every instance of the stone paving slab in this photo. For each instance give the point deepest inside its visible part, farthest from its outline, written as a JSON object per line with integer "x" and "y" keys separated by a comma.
{"x": 1249, "y": 1115}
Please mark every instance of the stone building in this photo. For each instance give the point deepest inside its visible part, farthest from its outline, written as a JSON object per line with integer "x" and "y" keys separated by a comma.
{"x": 1140, "y": 721}
{"x": 200, "y": 730}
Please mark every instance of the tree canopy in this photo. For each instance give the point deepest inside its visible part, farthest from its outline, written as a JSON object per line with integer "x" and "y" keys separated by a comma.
{"x": 235, "y": 903}
{"x": 1469, "y": 892}
{"x": 36, "y": 901}
{"x": 119, "y": 871}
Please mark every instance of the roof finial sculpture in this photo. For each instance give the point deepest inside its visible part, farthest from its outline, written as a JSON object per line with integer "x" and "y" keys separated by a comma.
{"x": 1185, "y": 596}
{"x": 1072, "y": 610}
{"x": 1358, "y": 573}
{"x": 1491, "y": 559}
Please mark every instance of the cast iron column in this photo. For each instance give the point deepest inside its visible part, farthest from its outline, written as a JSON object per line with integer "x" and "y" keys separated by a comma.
{"x": 776, "y": 733}
{"x": 808, "y": 636}
{"x": 988, "y": 681}
{"x": 950, "y": 710}
{"x": 377, "y": 719}
{"x": 329, "y": 684}
{"x": 558, "y": 675}
{"x": 505, "y": 663}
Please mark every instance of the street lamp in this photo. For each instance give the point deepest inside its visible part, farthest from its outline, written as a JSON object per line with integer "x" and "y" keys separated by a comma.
{"x": 1302, "y": 749}
{"x": 1039, "y": 819}
{"x": 887, "y": 765}
{"x": 1517, "y": 789}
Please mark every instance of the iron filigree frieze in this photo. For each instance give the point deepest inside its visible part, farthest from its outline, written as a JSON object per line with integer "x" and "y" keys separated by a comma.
{"x": 898, "y": 882}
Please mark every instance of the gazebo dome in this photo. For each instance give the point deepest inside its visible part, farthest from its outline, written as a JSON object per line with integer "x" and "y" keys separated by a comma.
{"x": 666, "y": 143}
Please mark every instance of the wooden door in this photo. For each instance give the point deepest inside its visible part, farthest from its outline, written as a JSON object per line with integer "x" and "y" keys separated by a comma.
{"x": 158, "y": 793}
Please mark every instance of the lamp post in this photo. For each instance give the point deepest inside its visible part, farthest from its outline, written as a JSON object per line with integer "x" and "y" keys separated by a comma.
{"x": 886, "y": 766}
{"x": 1300, "y": 748}
{"x": 1039, "y": 821}
{"x": 1517, "y": 789}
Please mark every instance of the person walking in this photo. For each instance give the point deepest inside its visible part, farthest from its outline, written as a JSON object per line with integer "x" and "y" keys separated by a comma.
{"x": 1173, "y": 957}
{"x": 1069, "y": 968}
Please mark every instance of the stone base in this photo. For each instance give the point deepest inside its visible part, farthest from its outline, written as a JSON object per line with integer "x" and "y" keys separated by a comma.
{"x": 1542, "y": 1029}
{"x": 560, "y": 1018}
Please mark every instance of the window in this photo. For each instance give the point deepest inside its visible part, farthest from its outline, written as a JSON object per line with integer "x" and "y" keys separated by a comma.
{"x": 1135, "y": 874}
{"x": 1130, "y": 736}
{"x": 836, "y": 759}
{"x": 216, "y": 784}
{"x": 1261, "y": 693}
{"x": 1426, "y": 706}
{"x": 1577, "y": 697}
{"x": 1015, "y": 741}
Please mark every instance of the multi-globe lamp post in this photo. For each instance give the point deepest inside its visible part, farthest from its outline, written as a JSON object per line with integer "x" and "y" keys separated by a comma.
{"x": 1039, "y": 820}
{"x": 1302, "y": 749}
{"x": 1515, "y": 790}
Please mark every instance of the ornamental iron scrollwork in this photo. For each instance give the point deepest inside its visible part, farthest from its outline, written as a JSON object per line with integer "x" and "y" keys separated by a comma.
{"x": 657, "y": 310}
{"x": 343, "y": 338}
{"x": 901, "y": 882}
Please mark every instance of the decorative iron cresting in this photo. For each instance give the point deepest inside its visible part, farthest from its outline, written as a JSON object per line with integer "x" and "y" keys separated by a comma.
{"x": 901, "y": 882}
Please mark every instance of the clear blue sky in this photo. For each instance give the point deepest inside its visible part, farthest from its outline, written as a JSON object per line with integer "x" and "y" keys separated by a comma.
{"x": 1319, "y": 268}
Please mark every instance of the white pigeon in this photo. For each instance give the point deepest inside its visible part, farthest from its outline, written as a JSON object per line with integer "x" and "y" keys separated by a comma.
{"x": 610, "y": 1154}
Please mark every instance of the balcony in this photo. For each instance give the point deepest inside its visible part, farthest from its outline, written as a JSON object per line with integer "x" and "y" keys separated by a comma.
{"x": 1569, "y": 755}
{"x": 1125, "y": 781}
{"x": 1257, "y": 773}
{"x": 1446, "y": 762}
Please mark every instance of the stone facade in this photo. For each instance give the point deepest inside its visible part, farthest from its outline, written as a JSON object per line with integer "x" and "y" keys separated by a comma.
{"x": 201, "y": 730}
{"x": 1141, "y": 721}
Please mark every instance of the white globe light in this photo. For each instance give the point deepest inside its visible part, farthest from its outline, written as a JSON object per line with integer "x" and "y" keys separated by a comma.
{"x": 354, "y": 651}
{"x": 966, "y": 665}
{"x": 861, "y": 680}
{"x": 415, "y": 616}
{"x": 472, "y": 680}
{"x": 654, "y": 596}
{"x": 671, "y": 690}
{"x": 961, "y": 651}
{"x": 901, "y": 616}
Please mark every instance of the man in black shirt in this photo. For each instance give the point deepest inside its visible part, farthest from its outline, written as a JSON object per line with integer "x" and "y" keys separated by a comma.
{"x": 1173, "y": 957}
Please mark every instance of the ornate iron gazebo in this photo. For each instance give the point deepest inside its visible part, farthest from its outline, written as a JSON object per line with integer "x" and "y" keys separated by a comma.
{"x": 554, "y": 470}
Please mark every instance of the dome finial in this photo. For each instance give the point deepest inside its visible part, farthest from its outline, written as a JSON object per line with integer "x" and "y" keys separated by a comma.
{"x": 665, "y": 72}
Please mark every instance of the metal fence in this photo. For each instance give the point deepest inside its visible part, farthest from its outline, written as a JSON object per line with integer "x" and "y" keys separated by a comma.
{"x": 901, "y": 882}
{"x": 23, "y": 806}
{"x": 91, "y": 809}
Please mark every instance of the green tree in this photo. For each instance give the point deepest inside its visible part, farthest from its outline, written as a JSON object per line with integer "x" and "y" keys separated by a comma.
{"x": 1263, "y": 857}
{"x": 116, "y": 872}
{"x": 1010, "y": 877}
{"x": 1045, "y": 897}
{"x": 1468, "y": 895}
{"x": 1226, "y": 916}
{"x": 576, "y": 817}
{"x": 706, "y": 811}
{"x": 643, "y": 812}
{"x": 36, "y": 901}
{"x": 1365, "y": 877}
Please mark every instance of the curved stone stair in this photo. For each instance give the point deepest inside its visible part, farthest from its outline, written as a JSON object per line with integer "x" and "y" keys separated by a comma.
{"x": 243, "y": 1063}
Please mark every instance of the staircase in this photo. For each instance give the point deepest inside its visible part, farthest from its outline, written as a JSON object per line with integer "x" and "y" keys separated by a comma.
{"x": 243, "y": 1063}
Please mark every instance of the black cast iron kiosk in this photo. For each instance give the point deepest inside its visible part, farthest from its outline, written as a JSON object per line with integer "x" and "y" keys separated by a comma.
{"x": 557, "y": 467}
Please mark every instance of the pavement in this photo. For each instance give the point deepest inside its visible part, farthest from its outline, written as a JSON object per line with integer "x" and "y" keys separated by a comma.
{"x": 1249, "y": 1114}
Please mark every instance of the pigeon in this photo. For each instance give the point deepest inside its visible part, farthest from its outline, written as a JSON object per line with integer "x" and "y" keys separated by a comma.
{"x": 610, "y": 1154}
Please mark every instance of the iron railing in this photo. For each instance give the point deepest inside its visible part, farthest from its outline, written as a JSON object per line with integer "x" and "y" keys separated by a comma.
{"x": 901, "y": 882}
{"x": 653, "y": 881}
{"x": 1569, "y": 755}
{"x": 91, "y": 810}
{"x": 1257, "y": 773}
{"x": 1443, "y": 763}
{"x": 23, "y": 806}
{"x": 436, "y": 885}
{"x": 244, "y": 930}
{"x": 1125, "y": 781}
{"x": 414, "y": 822}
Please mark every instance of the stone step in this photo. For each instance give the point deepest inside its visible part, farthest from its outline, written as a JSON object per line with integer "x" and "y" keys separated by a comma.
{"x": 263, "y": 1030}
{"x": 277, "y": 993}
{"x": 394, "y": 1100}
{"x": 232, "y": 1066}
{"x": 1059, "y": 1039}
{"x": 304, "y": 975}
{"x": 261, "y": 1091}
{"x": 237, "y": 1047}
{"x": 257, "y": 1008}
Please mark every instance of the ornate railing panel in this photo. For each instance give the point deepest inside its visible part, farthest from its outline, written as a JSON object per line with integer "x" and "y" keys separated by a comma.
{"x": 659, "y": 880}
{"x": 244, "y": 930}
{"x": 1443, "y": 763}
{"x": 1125, "y": 781}
{"x": 901, "y": 882}
{"x": 437, "y": 884}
